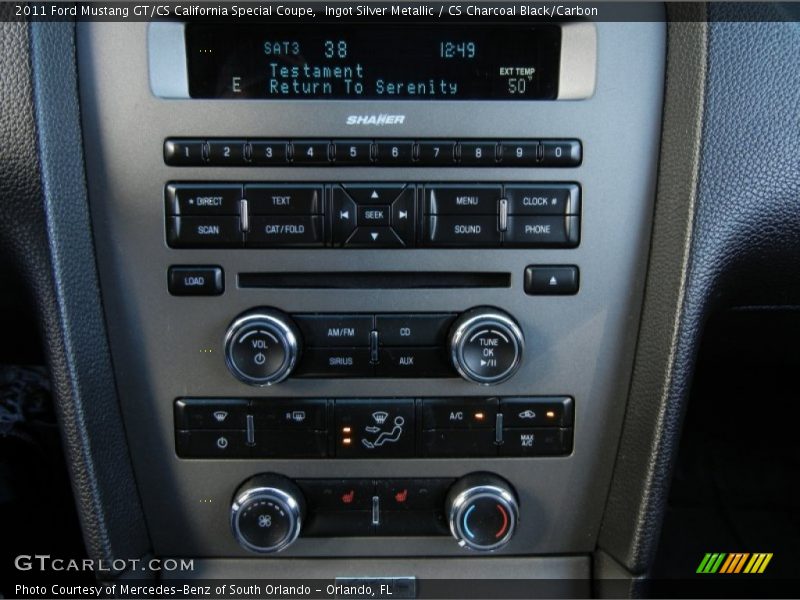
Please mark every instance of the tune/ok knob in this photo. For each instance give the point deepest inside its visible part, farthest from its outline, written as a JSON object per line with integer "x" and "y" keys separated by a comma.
{"x": 262, "y": 347}
{"x": 486, "y": 345}
{"x": 267, "y": 513}
{"x": 483, "y": 512}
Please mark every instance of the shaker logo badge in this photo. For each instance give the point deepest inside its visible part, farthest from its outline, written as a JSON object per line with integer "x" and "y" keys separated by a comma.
{"x": 377, "y": 120}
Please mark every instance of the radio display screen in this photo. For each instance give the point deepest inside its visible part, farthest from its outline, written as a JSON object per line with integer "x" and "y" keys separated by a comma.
{"x": 373, "y": 62}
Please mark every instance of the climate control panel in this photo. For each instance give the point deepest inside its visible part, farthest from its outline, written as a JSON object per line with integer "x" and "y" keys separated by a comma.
{"x": 269, "y": 511}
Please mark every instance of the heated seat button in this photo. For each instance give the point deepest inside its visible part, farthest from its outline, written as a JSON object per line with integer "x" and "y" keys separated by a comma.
{"x": 413, "y": 330}
{"x": 435, "y": 154}
{"x": 413, "y": 362}
{"x": 462, "y": 199}
{"x": 373, "y": 216}
{"x": 226, "y": 152}
{"x": 463, "y": 232}
{"x": 537, "y": 412}
{"x": 183, "y": 153}
{"x": 478, "y": 154}
{"x": 284, "y": 199}
{"x": 392, "y": 153}
{"x": 212, "y": 444}
{"x": 314, "y": 152}
{"x": 542, "y": 232}
{"x": 536, "y": 442}
{"x": 453, "y": 443}
{"x": 412, "y": 494}
{"x": 561, "y": 153}
{"x": 543, "y": 199}
{"x": 203, "y": 200}
{"x": 287, "y": 415}
{"x": 519, "y": 154}
{"x": 551, "y": 280}
{"x": 268, "y": 232}
{"x": 343, "y": 215}
{"x": 195, "y": 281}
{"x": 193, "y": 413}
{"x": 204, "y": 232}
{"x": 289, "y": 444}
{"x": 337, "y": 494}
{"x": 374, "y": 428}
{"x": 335, "y": 362}
{"x": 457, "y": 413}
{"x": 335, "y": 330}
{"x": 269, "y": 153}
{"x": 356, "y": 152}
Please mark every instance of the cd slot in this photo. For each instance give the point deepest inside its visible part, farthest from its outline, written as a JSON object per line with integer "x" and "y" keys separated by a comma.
{"x": 395, "y": 280}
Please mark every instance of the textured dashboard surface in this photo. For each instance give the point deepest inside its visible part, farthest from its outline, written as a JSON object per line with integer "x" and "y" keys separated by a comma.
{"x": 745, "y": 247}
{"x": 46, "y": 234}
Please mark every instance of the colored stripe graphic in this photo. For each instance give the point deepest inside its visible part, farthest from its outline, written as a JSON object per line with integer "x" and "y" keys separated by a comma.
{"x": 734, "y": 563}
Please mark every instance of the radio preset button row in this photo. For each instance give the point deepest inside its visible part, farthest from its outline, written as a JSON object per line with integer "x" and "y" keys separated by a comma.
{"x": 382, "y": 153}
{"x": 373, "y": 428}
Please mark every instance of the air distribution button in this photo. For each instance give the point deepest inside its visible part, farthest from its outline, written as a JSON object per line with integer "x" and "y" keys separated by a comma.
{"x": 486, "y": 346}
{"x": 262, "y": 347}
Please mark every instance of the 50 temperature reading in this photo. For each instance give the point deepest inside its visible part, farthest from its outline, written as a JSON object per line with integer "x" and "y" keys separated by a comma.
{"x": 457, "y": 49}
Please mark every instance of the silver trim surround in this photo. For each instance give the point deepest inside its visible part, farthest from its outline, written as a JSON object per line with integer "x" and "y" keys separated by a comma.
{"x": 286, "y": 333}
{"x": 287, "y": 501}
{"x": 166, "y": 51}
{"x": 496, "y": 493}
{"x": 479, "y": 317}
{"x": 166, "y": 48}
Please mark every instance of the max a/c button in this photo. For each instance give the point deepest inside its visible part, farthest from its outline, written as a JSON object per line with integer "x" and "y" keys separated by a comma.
{"x": 195, "y": 281}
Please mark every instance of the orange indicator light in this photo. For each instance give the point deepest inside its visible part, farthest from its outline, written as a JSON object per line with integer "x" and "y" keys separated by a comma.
{"x": 345, "y": 430}
{"x": 550, "y": 414}
{"x": 479, "y": 416}
{"x": 346, "y": 441}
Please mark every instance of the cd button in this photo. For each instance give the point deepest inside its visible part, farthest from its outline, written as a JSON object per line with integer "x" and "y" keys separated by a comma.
{"x": 542, "y": 231}
{"x": 271, "y": 153}
{"x": 204, "y": 232}
{"x": 373, "y": 216}
{"x": 462, "y": 199}
{"x": 413, "y": 330}
{"x": 226, "y": 152}
{"x": 284, "y": 199}
{"x": 284, "y": 231}
{"x": 463, "y": 231}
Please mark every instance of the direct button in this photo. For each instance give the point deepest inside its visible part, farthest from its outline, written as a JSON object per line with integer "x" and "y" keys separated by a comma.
{"x": 195, "y": 281}
{"x": 335, "y": 330}
{"x": 202, "y": 200}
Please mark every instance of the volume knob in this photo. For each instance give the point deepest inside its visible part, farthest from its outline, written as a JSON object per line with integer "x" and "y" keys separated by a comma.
{"x": 486, "y": 346}
{"x": 262, "y": 347}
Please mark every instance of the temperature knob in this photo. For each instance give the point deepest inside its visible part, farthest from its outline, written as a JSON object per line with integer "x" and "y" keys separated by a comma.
{"x": 262, "y": 347}
{"x": 267, "y": 513}
{"x": 483, "y": 512}
{"x": 486, "y": 346}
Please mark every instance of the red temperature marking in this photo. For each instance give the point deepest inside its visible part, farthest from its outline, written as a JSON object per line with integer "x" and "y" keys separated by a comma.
{"x": 504, "y": 528}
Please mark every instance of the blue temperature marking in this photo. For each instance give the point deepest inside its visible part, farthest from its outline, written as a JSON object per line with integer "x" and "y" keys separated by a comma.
{"x": 466, "y": 516}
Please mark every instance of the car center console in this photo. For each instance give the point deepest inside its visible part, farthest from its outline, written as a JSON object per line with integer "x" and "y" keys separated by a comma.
{"x": 364, "y": 306}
